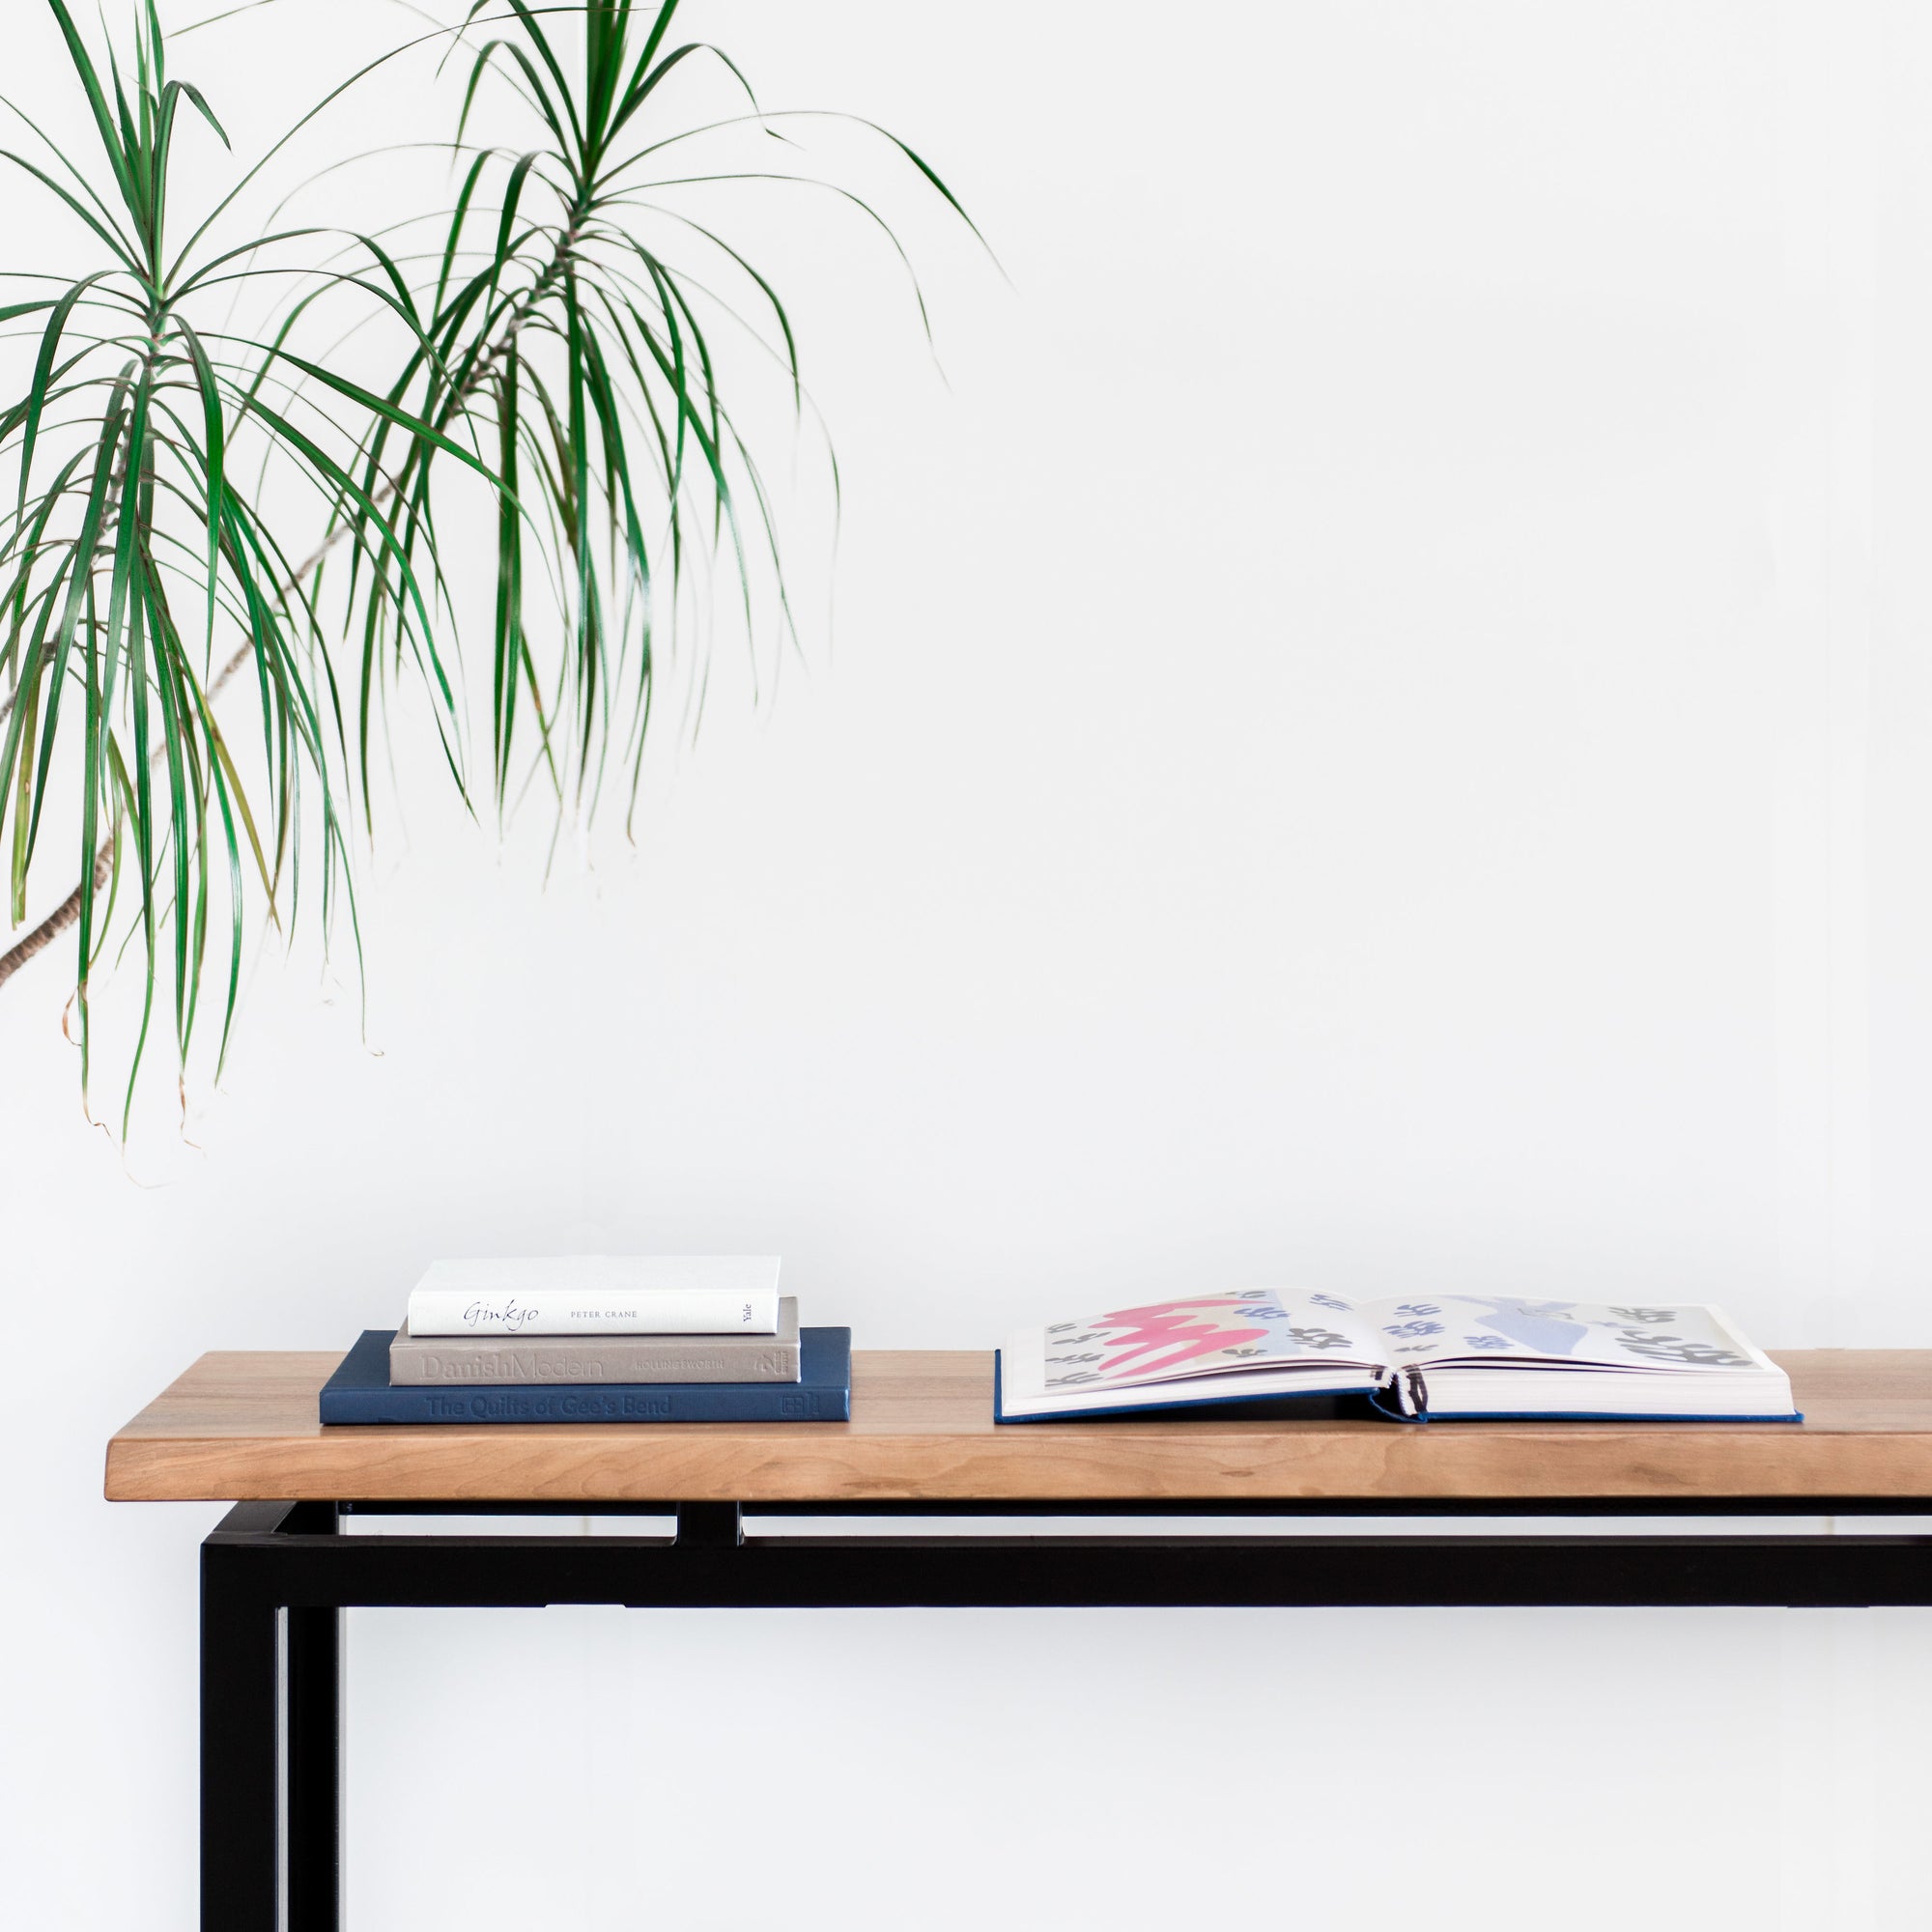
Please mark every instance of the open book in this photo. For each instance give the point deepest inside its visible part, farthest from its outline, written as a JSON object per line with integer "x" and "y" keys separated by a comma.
{"x": 1421, "y": 1358}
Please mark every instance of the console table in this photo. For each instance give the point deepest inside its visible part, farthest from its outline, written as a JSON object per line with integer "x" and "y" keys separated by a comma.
{"x": 279, "y": 1572}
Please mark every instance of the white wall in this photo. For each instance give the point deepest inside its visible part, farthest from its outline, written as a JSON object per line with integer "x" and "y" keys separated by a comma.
{"x": 1377, "y": 736}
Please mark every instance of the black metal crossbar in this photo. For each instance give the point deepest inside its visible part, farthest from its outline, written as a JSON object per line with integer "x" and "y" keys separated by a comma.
{"x": 277, "y": 1576}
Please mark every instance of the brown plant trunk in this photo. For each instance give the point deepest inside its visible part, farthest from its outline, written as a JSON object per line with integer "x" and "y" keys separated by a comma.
{"x": 68, "y": 912}
{"x": 56, "y": 921}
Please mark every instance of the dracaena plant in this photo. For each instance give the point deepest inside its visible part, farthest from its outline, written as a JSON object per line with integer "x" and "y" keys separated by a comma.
{"x": 558, "y": 339}
{"x": 570, "y": 328}
{"x": 143, "y": 572}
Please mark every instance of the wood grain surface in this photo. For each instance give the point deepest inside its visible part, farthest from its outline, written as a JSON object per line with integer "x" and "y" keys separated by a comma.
{"x": 239, "y": 1426}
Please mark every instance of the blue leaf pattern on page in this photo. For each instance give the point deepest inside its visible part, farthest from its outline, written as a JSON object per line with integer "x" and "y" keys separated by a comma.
{"x": 1412, "y": 1329}
{"x": 1675, "y": 1348}
{"x": 1331, "y": 1301}
{"x": 1487, "y": 1341}
{"x": 1415, "y": 1308}
{"x": 1550, "y": 1327}
{"x": 1318, "y": 1338}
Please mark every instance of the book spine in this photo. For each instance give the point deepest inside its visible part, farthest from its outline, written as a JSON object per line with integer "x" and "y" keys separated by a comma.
{"x": 1401, "y": 1394}
{"x": 695, "y": 1311}
{"x": 779, "y": 1401}
{"x": 417, "y": 1364}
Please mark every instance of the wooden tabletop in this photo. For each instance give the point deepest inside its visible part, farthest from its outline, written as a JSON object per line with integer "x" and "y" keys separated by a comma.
{"x": 243, "y": 1427}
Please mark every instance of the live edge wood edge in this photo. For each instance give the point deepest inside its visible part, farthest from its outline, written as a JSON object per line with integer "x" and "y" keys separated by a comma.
{"x": 242, "y": 1427}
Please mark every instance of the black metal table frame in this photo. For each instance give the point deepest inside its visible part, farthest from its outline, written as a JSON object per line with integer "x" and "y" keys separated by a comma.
{"x": 277, "y": 1576}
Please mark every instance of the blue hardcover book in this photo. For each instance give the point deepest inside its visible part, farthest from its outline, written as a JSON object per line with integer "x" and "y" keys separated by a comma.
{"x": 359, "y": 1392}
{"x": 1419, "y": 1358}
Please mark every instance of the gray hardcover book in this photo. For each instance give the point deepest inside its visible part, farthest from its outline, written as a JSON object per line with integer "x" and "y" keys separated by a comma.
{"x": 429, "y": 1361}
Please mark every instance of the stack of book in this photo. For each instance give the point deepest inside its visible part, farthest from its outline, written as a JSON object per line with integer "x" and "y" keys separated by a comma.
{"x": 595, "y": 1338}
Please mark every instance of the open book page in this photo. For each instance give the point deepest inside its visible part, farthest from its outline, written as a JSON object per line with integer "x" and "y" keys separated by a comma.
{"x": 1435, "y": 1354}
{"x": 1201, "y": 1335}
{"x": 1439, "y": 1331}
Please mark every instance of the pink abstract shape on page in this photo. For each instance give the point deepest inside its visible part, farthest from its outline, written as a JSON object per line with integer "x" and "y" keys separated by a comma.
{"x": 1165, "y": 1324}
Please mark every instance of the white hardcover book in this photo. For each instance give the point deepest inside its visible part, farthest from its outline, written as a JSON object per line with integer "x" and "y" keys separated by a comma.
{"x": 599, "y": 1295}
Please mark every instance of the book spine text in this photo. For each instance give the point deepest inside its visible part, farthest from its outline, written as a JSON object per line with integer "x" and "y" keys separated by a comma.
{"x": 443, "y": 1311}
{"x": 423, "y": 1365}
{"x": 736, "y": 1401}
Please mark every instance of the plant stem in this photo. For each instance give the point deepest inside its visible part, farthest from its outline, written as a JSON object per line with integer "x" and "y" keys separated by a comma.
{"x": 56, "y": 921}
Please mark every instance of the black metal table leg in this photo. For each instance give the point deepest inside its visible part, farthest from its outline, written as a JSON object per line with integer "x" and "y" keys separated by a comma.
{"x": 277, "y": 1576}
{"x": 314, "y": 1750}
{"x": 241, "y": 1783}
